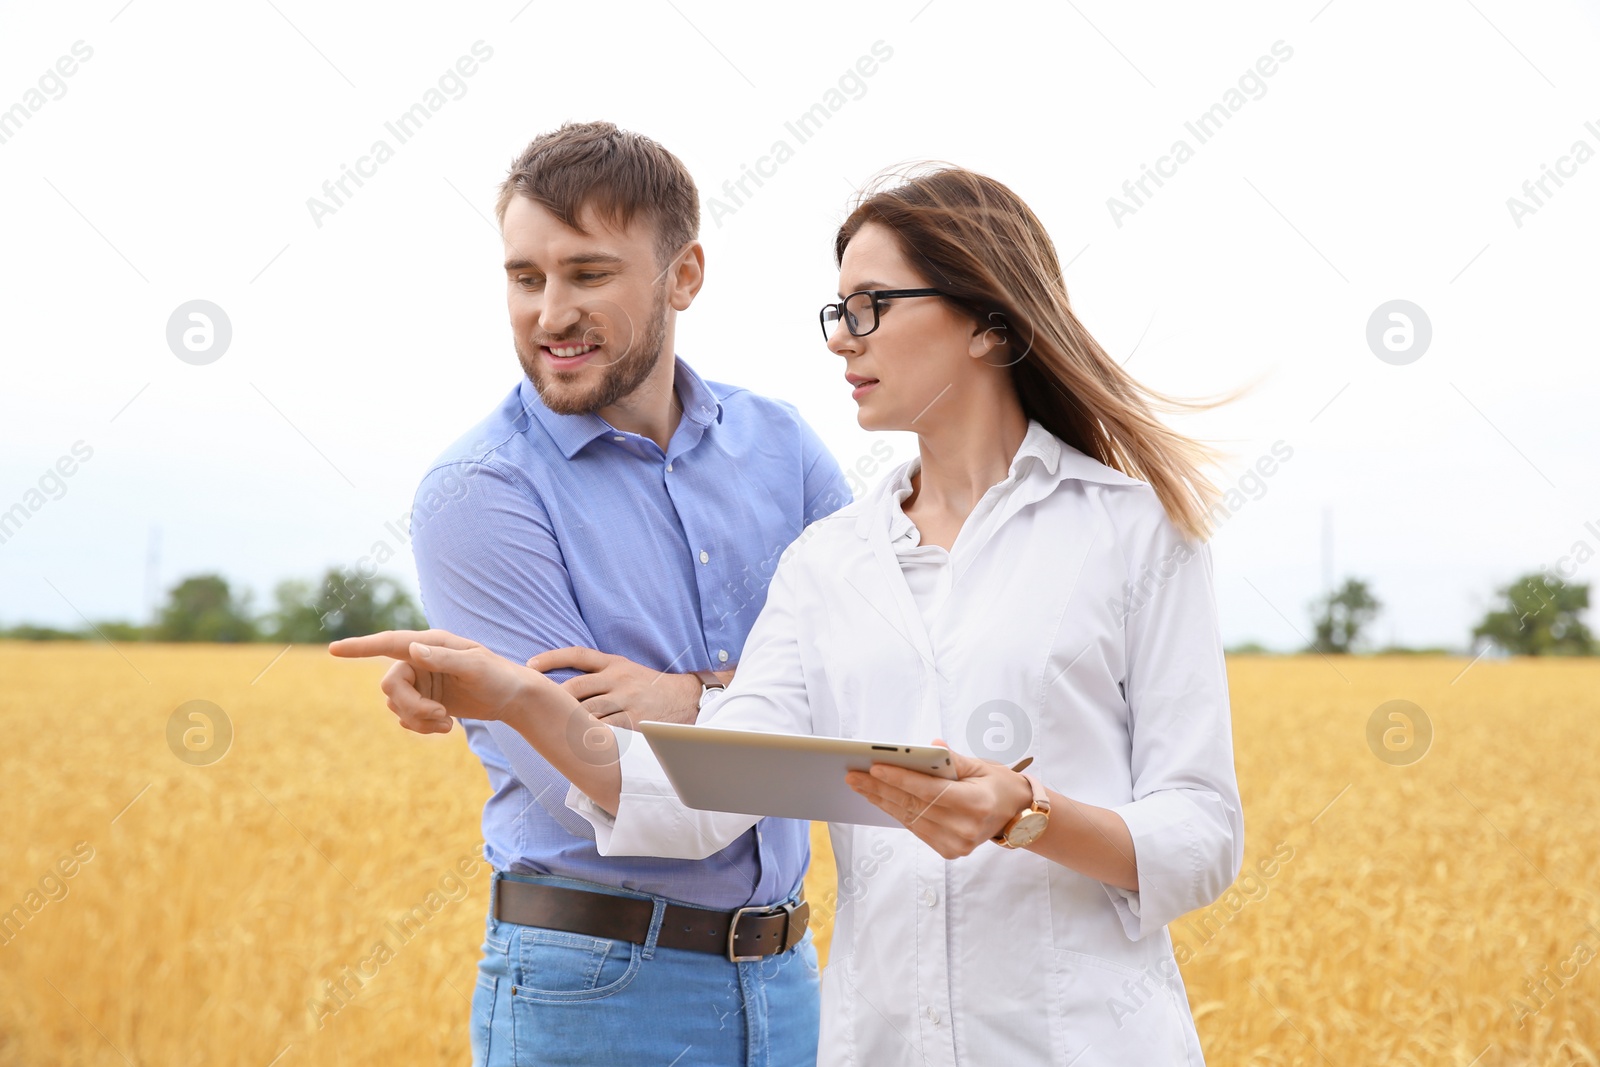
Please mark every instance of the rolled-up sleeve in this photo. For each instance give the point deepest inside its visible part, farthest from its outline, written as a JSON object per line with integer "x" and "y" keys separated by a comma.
{"x": 768, "y": 693}
{"x": 650, "y": 819}
{"x": 1185, "y": 819}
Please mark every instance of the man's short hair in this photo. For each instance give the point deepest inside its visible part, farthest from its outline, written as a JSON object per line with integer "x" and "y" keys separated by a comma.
{"x": 620, "y": 174}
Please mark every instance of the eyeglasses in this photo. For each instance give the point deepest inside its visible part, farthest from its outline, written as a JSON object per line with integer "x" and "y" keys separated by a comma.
{"x": 860, "y": 310}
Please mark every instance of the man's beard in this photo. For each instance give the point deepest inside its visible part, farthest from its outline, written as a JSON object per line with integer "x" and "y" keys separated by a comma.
{"x": 621, "y": 377}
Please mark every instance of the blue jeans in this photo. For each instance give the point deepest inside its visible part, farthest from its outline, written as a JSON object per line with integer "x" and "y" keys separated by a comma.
{"x": 548, "y": 997}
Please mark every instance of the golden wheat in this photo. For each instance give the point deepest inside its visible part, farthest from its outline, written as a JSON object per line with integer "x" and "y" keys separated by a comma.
{"x": 315, "y": 896}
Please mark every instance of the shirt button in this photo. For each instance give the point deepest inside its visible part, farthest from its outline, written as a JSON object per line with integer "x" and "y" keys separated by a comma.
{"x": 722, "y": 655}
{"x": 619, "y": 438}
{"x": 669, "y": 468}
{"x": 933, "y": 1016}
{"x": 930, "y": 898}
{"x": 705, "y": 557}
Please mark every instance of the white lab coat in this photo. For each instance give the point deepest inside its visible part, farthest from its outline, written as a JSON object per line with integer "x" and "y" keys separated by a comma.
{"x": 1072, "y": 581}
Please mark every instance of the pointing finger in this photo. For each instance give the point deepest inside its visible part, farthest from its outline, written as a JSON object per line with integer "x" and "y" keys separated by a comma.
{"x": 395, "y": 643}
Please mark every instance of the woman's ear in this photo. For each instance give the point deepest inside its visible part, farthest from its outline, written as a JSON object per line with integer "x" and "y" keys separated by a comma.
{"x": 991, "y": 337}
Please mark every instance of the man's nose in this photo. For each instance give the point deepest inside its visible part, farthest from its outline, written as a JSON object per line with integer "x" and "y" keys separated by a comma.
{"x": 560, "y": 311}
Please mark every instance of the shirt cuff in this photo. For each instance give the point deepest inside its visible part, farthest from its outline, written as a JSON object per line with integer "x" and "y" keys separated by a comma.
{"x": 1167, "y": 855}
{"x": 650, "y": 819}
{"x": 596, "y": 816}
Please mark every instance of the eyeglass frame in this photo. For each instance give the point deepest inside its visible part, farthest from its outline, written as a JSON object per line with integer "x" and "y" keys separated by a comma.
{"x": 877, "y": 318}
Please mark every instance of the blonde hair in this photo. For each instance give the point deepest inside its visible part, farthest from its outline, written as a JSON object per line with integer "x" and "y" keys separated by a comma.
{"x": 978, "y": 241}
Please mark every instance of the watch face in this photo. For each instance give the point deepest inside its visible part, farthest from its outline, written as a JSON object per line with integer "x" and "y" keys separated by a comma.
{"x": 1028, "y": 829}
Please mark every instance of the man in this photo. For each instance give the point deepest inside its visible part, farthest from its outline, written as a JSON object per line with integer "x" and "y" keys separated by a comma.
{"x": 614, "y": 522}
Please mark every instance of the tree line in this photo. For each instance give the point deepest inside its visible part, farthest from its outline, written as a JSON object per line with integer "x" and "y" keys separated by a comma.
{"x": 205, "y": 607}
{"x": 1536, "y": 615}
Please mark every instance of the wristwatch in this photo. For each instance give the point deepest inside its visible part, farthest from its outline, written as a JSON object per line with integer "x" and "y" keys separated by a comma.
{"x": 708, "y": 682}
{"x": 1029, "y": 824}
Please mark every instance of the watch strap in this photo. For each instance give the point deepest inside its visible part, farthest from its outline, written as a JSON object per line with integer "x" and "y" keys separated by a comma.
{"x": 1041, "y": 799}
{"x": 1040, "y": 804}
{"x": 708, "y": 680}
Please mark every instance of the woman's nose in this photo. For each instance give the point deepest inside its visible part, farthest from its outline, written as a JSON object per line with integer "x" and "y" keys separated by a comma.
{"x": 841, "y": 342}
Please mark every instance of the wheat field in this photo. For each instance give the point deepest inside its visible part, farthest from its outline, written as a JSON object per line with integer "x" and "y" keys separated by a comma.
{"x": 1441, "y": 911}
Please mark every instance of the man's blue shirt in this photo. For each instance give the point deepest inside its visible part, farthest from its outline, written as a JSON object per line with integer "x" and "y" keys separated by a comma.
{"x": 537, "y": 531}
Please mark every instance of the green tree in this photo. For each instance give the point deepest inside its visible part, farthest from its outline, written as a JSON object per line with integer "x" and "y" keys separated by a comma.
{"x": 1539, "y": 618}
{"x": 344, "y": 605}
{"x": 1341, "y": 616}
{"x": 204, "y": 608}
{"x": 118, "y": 630}
{"x": 297, "y": 618}
{"x": 27, "y": 631}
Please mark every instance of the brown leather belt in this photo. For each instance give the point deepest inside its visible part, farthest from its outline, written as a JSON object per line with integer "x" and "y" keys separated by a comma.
{"x": 739, "y": 935}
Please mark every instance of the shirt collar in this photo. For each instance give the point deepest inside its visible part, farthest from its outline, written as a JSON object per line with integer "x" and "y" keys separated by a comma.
{"x": 572, "y": 433}
{"x": 1042, "y": 455}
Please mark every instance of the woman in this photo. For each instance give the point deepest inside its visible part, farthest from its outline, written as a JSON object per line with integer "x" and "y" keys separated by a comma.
{"x": 1016, "y": 589}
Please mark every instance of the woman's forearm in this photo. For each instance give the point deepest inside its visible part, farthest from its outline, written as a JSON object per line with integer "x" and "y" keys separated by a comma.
{"x": 1092, "y": 841}
{"x": 581, "y": 747}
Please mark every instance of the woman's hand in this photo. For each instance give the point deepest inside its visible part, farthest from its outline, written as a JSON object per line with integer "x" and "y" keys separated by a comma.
{"x": 440, "y": 676}
{"x": 952, "y": 817}
{"x": 463, "y": 679}
{"x": 410, "y": 696}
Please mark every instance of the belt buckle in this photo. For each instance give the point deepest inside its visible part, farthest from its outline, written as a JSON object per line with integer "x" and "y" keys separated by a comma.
{"x": 761, "y": 911}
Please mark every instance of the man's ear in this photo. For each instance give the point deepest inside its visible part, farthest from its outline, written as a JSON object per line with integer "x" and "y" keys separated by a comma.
{"x": 991, "y": 336}
{"x": 685, "y": 276}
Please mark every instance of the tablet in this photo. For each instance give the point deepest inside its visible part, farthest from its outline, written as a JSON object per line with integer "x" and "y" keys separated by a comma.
{"x": 795, "y": 776}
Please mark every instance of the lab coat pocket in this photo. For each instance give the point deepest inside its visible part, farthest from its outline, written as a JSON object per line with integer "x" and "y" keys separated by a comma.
{"x": 1113, "y": 1014}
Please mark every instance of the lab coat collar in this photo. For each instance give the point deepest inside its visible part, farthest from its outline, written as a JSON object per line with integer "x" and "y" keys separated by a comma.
{"x": 1059, "y": 461}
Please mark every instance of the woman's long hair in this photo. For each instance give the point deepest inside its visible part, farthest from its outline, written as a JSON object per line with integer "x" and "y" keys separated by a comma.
{"x": 975, "y": 239}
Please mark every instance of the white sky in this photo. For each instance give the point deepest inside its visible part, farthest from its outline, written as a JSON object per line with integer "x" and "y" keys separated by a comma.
{"x": 1377, "y": 164}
